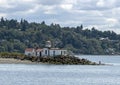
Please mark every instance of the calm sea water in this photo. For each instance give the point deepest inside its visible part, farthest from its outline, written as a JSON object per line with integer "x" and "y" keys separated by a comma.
{"x": 21, "y": 74}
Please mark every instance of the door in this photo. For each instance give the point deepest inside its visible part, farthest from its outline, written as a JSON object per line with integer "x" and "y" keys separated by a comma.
{"x": 40, "y": 54}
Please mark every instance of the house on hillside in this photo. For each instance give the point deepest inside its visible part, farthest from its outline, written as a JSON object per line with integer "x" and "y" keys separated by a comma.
{"x": 102, "y": 39}
{"x": 47, "y": 51}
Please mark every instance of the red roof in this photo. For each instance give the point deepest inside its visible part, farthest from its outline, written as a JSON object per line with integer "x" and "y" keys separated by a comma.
{"x": 39, "y": 50}
{"x": 29, "y": 49}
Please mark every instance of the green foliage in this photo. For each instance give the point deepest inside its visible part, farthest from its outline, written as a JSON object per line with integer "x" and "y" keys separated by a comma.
{"x": 16, "y": 36}
{"x": 12, "y": 55}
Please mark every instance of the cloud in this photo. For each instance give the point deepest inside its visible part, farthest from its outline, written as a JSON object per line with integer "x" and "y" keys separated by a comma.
{"x": 103, "y": 14}
{"x": 106, "y": 3}
{"x": 101, "y": 3}
{"x": 66, "y": 6}
{"x": 3, "y": 15}
{"x": 112, "y": 21}
{"x": 5, "y": 4}
{"x": 49, "y": 2}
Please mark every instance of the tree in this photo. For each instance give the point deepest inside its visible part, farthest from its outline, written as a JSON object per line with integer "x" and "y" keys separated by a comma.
{"x": 16, "y": 36}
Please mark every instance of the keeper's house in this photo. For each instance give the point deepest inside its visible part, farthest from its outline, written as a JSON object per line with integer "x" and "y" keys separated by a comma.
{"x": 47, "y": 51}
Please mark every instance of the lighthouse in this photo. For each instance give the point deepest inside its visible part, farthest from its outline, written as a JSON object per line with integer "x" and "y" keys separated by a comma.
{"x": 46, "y": 51}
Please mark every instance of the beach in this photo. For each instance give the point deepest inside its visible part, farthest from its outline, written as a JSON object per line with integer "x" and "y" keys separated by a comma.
{"x": 15, "y": 61}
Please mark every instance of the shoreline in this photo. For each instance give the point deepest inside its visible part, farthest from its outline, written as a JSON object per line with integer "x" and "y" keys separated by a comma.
{"x": 16, "y": 61}
{"x": 17, "y": 58}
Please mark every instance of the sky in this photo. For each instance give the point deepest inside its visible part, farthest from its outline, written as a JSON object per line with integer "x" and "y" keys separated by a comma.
{"x": 101, "y": 14}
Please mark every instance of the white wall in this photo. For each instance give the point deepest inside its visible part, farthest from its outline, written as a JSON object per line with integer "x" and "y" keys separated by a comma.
{"x": 32, "y": 53}
{"x": 57, "y": 52}
{"x": 44, "y": 52}
{"x": 64, "y": 52}
{"x": 47, "y": 52}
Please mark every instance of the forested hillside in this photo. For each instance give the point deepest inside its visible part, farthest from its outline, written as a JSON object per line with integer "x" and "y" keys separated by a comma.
{"x": 16, "y": 36}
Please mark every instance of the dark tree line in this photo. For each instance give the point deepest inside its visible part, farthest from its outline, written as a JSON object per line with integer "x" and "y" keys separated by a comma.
{"x": 16, "y": 36}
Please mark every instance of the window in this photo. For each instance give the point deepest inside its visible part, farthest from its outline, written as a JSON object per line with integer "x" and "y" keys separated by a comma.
{"x": 53, "y": 53}
{"x": 64, "y": 52}
{"x": 45, "y": 51}
{"x": 36, "y": 54}
{"x": 61, "y": 52}
{"x": 29, "y": 54}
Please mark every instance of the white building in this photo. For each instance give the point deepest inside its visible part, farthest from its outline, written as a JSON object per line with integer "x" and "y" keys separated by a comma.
{"x": 30, "y": 51}
{"x": 47, "y": 51}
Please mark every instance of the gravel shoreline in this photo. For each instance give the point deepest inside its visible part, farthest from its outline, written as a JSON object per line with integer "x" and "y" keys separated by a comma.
{"x": 15, "y": 61}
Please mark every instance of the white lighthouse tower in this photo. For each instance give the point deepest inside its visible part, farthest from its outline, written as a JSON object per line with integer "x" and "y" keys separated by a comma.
{"x": 48, "y": 44}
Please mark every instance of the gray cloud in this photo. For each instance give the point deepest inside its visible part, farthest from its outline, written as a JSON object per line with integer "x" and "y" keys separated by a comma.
{"x": 103, "y": 14}
{"x": 49, "y": 2}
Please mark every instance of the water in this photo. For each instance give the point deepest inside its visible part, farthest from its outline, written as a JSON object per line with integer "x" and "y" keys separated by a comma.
{"x": 21, "y": 74}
